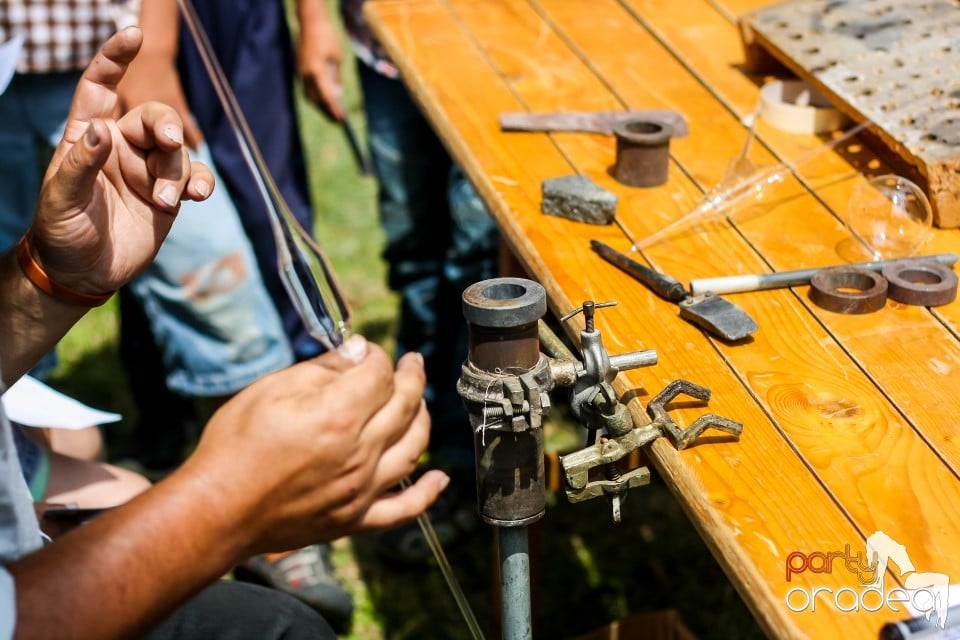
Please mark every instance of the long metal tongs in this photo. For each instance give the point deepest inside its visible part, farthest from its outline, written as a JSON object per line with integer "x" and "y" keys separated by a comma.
{"x": 304, "y": 270}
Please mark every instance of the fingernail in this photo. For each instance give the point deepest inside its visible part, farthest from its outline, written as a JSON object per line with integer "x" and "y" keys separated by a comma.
{"x": 355, "y": 348}
{"x": 416, "y": 355}
{"x": 91, "y": 136}
{"x": 169, "y": 196}
{"x": 202, "y": 188}
{"x": 444, "y": 482}
{"x": 173, "y": 133}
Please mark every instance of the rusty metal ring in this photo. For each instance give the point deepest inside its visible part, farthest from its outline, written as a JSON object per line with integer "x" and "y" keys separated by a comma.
{"x": 643, "y": 152}
{"x": 921, "y": 282}
{"x": 848, "y": 290}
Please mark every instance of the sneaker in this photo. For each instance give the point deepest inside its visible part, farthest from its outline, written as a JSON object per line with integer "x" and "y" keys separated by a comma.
{"x": 307, "y": 574}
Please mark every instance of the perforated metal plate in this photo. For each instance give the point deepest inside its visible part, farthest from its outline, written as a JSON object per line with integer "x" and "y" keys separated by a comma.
{"x": 894, "y": 62}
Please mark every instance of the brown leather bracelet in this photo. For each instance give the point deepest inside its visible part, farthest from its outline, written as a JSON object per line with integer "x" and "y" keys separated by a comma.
{"x": 35, "y": 274}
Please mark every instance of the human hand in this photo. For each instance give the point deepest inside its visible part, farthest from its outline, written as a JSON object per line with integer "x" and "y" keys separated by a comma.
{"x": 318, "y": 61}
{"x": 311, "y": 453}
{"x": 154, "y": 78}
{"x": 113, "y": 187}
{"x": 153, "y": 75}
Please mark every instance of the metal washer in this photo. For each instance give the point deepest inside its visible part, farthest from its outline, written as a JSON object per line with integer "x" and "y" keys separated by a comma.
{"x": 921, "y": 282}
{"x": 848, "y": 290}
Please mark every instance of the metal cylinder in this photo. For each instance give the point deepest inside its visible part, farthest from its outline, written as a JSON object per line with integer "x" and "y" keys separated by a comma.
{"x": 643, "y": 152}
{"x": 511, "y": 481}
{"x": 515, "y": 602}
{"x": 502, "y": 316}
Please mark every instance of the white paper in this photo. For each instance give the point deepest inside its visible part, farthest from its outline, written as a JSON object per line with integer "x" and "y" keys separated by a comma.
{"x": 34, "y": 404}
{"x": 9, "y": 56}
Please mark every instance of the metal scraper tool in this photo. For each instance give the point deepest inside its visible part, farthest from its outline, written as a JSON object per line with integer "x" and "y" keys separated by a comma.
{"x": 708, "y": 311}
{"x": 590, "y": 121}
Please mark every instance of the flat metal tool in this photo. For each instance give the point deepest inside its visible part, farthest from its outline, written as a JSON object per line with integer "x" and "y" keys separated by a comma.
{"x": 363, "y": 162}
{"x": 708, "y": 311}
{"x": 781, "y": 279}
{"x": 590, "y": 121}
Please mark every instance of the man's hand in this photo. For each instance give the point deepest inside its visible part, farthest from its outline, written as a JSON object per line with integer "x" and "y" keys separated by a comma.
{"x": 153, "y": 75}
{"x": 319, "y": 57}
{"x": 312, "y": 453}
{"x": 113, "y": 188}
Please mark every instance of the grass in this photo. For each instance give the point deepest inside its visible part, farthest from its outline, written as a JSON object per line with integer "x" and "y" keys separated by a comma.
{"x": 586, "y": 570}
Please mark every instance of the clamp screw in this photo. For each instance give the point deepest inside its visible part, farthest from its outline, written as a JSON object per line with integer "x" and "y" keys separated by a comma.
{"x": 588, "y": 309}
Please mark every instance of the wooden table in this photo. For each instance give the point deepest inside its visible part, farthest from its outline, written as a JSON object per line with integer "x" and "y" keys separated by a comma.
{"x": 851, "y": 421}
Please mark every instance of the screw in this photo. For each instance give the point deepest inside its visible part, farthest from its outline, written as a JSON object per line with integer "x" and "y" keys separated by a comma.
{"x": 589, "y": 308}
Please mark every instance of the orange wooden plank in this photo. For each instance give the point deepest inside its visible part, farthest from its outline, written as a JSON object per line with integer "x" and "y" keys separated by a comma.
{"x": 726, "y": 487}
{"x": 918, "y": 353}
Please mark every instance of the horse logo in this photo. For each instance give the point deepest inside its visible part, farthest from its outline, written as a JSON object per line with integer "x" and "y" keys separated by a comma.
{"x": 881, "y": 549}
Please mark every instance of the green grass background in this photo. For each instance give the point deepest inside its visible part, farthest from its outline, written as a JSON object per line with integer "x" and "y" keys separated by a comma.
{"x": 587, "y": 571}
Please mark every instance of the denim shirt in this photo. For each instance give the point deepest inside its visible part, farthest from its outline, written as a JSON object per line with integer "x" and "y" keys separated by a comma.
{"x": 19, "y": 529}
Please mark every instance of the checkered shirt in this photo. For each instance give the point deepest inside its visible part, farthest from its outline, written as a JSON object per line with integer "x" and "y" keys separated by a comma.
{"x": 59, "y": 35}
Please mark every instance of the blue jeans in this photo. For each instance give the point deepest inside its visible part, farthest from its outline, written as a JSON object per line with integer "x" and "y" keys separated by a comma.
{"x": 206, "y": 304}
{"x": 440, "y": 240}
{"x": 252, "y": 43}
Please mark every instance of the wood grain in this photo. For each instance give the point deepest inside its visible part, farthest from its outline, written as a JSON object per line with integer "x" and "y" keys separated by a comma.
{"x": 916, "y": 379}
{"x": 826, "y": 458}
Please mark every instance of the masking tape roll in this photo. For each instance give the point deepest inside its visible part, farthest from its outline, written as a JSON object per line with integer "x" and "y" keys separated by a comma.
{"x": 796, "y": 107}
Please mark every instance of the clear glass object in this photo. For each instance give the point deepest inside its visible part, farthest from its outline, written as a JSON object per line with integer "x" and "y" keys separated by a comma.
{"x": 302, "y": 266}
{"x": 891, "y": 216}
{"x": 309, "y": 280}
{"x": 744, "y": 183}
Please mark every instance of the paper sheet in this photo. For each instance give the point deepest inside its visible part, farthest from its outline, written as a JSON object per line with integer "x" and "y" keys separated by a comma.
{"x": 9, "y": 55}
{"x": 34, "y": 404}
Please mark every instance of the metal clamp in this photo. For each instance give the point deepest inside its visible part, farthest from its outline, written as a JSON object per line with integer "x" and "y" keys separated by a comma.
{"x": 606, "y": 452}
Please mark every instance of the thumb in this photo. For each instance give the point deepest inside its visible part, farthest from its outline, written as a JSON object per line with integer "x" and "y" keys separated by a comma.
{"x": 331, "y": 85}
{"x": 77, "y": 173}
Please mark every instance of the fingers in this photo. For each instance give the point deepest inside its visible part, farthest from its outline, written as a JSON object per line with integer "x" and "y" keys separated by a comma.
{"x": 396, "y": 419}
{"x": 323, "y": 87}
{"x": 152, "y": 125}
{"x": 400, "y": 457}
{"x": 96, "y": 95}
{"x": 394, "y": 509}
{"x": 351, "y": 383}
{"x": 201, "y": 182}
{"x": 366, "y": 372}
{"x": 171, "y": 171}
{"x": 331, "y": 88}
{"x": 353, "y": 349}
{"x": 169, "y": 176}
{"x": 345, "y": 357}
{"x": 72, "y": 185}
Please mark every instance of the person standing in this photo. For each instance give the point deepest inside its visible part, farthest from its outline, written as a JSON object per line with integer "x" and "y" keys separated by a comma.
{"x": 252, "y": 42}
